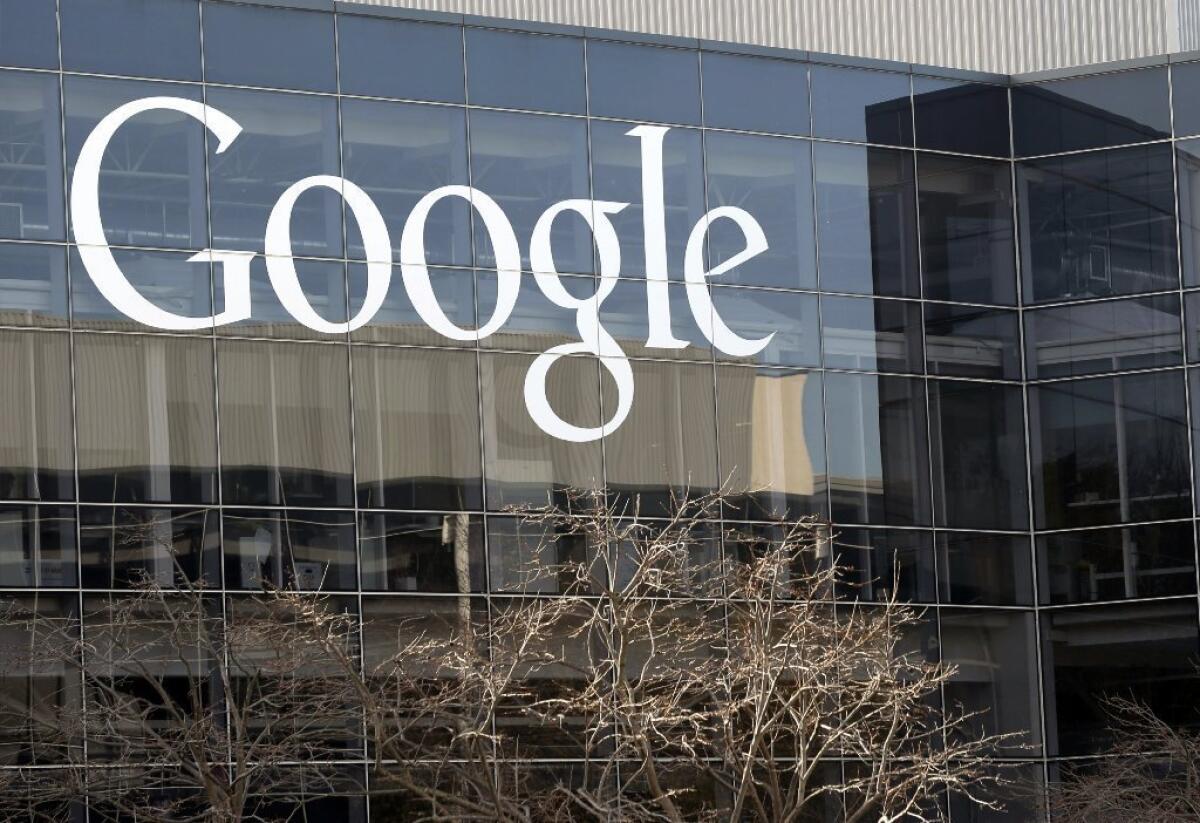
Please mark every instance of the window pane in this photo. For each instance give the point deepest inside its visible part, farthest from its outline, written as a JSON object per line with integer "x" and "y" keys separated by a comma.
{"x": 966, "y": 230}
{"x": 872, "y": 335}
{"x": 971, "y": 118}
{"x": 1098, "y": 224}
{"x": 755, "y": 93}
{"x": 31, "y": 182}
{"x": 992, "y": 569}
{"x": 400, "y": 58}
{"x": 866, "y": 220}
{"x": 158, "y": 38}
{"x": 882, "y": 563}
{"x": 36, "y": 451}
{"x": 1109, "y": 450}
{"x": 879, "y": 472}
{"x": 29, "y": 34}
{"x": 1147, "y": 652}
{"x": 1112, "y": 335}
{"x": 323, "y": 284}
{"x": 771, "y": 178}
{"x": 643, "y": 82}
{"x": 1185, "y": 82}
{"x": 146, "y": 423}
{"x": 164, "y": 278}
{"x": 306, "y": 550}
{"x": 968, "y": 341}
{"x": 421, "y": 552}
{"x": 853, "y": 104}
{"x": 771, "y": 441}
{"x": 536, "y": 324}
{"x": 389, "y": 623}
{"x": 1115, "y": 564}
{"x": 285, "y": 138}
{"x": 37, "y": 546}
{"x": 399, "y": 152}
{"x": 524, "y": 557}
{"x": 1090, "y": 112}
{"x": 416, "y": 421}
{"x": 397, "y": 320}
{"x": 122, "y": 546}
{"x": 527, "y": 162}
{"x": 33, "y": 285}
{"x": 979, "y": 476}
{"x": 256, "y": 46}
{"x": 152, "y": 175}
{"x": 790, "y": 317}
{"x": 522, "y": 463}
{"x": 1187, "y": 155}
{"x": 285, "y": 423}
{"x": 515, "y": 70}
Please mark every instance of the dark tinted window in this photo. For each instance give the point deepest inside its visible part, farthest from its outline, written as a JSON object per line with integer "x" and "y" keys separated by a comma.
{"x": 966, "y": 230}
{"x": 1185, "y": 98}
{"x": 1187, "y": 154}
{"x": 158, "y": 38}
{"x": 306, "y": 550}
{"x": 755, "y": 93}
{"x": 36, "y": 449}
{"x": 985, "y": 569}
{"x": 259, "y": 46}
{"x": 33, "y": 285}
{"x": 1110, "y": 335}
{"x": 121, "y": 546}
{"x": 853, "y": 104}
{"x": 514, "y": 70}
{"x": 882, "y": 563}
{"x": 872, "y": 335}
{"x": 37, "y": 546}
{"x": 421, "y": 552}
{"x": 1191, "y": 315}
{"x": 971, "y": 118}
{"x": 31, "y": 188}
{"x": 1098, "y": 224}
{"x": 28, "y": 34}
{"x": 1115, "y": 564}
{"x": 1090, "y": 112}
{"x": 644, "y": 82}
{"x": 400, "y": 58}
{"x": 970, "y": 341}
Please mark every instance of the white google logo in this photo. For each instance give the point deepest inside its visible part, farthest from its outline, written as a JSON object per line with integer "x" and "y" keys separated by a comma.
{"x": 88, "y": 230}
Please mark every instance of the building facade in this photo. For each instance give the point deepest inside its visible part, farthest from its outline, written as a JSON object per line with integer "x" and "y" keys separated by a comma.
{"x": 314, "y": 294}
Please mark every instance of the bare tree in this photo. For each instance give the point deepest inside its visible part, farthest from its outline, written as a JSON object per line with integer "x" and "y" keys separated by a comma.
{"x": 1150, "y": 771}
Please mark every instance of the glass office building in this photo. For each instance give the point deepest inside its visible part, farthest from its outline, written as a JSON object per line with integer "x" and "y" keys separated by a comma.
{"x": 984, "y": 295}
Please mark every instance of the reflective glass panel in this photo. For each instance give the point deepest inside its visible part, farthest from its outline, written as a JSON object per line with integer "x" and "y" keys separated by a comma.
{"x": 882, "y": 563}
{"x": 29, "y": 34}
{"x": 879, "y": 472}
{"x": 260, "y": 46}
{"x": 536, "y": 323}
{"x": 158, "y": 38}
{"x": 966, "y": 213}
{"x": 625, "y": 314}
{"x": 400, "y": 58}
{"x": 1187, "y": 156}
{"x": 31, "y": 181}
{"x": 322, "y": 283}
{"x": 1111, "y": 335}
{"x": 146, "y": 427}
{"x": 1116, "y": 564}
{"x": 643, "y": 82}
{"x": 866, "y": 220}
{"x": 33, "y": 285}
{"x": 971, "y": 118}
{"x": 164, "y": 278}
{"x": 306, "y": 550}
{"x": 855, "y": 104}
{"x": 516, "y": 70}
{"x": 416, "y": 424}
{"x": 993, "y": 569}
{"x": 1185, "y": 82}
{"x": 979, "y": 478}
{"x": 1109, "y": 449}
{"x": 397, "y": 320}
{"x": 771, "y": 178}
{"x": 285, "y": 423}
{"x": 1097, "y": 224}
{"x": 36, "y": 449}
{"x": 121, "y": 546}
{"x": 37, "y": 546}
{"x": 969, "y": 341}
{"x": 532, "y": 558}
{"x": 754, "y": 93}
{"x": 872, "y": 335}
{"x": 421, "y": 552}
{"x": 1090, "y": 112}
{"x": 790, "y": 320}
{"x": 1191, "y": 317}
{"x": 389, "y": 623}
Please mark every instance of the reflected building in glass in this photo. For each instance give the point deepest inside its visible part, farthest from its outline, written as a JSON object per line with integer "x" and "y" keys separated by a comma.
{"x": 983, "y": 291}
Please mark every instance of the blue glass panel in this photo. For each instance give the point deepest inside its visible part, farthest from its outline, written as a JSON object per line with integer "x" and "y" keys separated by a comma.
{"x": 28, "y": 34}
{"x": 397, "y": 320}
{"x": 33, "y": 285}
{"x": 323, "y": 283}
{"x": 872, "y": 335}
{"x": 755, "y": 93}
{"x": 853, "y": 104}
{"x": 165, "y": 278}
{"x": 637, "y": 82}
{"x": 624, "y": 315}
{"x": 260, "y": 46}
{"x": 31, "y": 181}
{"x": 158, "y": 38}
{"x": 790, "y": 318}
{"x": 400, "y": 58}
{"x": 515, "y": 70}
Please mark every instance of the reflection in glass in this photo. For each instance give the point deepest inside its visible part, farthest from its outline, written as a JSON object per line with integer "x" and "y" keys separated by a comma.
{"x": 754, "y": 93}
{"x": 971, "y": 118}
{"x": 1109, "y": 450}
{"x": 1115, "y": 564}
{"x": 643, "y": 82}
{"x": 281, "y": 48}
{"x": 854, "y": 104}
{"x": 1185, "y": 98}
{"x": 1187, "y": 157}
{"x": 158, "y": 38}
{"x": 31, "y": 181}
{"x": 416, "y": 424}
{"x": 165, "y": 278}
{"x": 866, "y": 220}
{"x": 625, "y": 314}
{"x": 410, "y": 59}
{"x": 397, "y": 320}
{"x": 121, "y": 546}
{"x": 969, "y": 341}
{"x": 36, "y": 450}
{"x": 979, "y": 475}
{"x": 421, "y": 552}
{"x": 37, "y": 546}
{"x": 771, "y": 178}
{"x": 518, "y": 70}
{"x": 306, "y": 550}
{"x": 991, "y": 569}
{"x": 789, "y": 318}
{"x": 531, "y": 558}
{"x": 872, "y": 335}
{"x": 29, "y": 36}
{"x": 966, "y": 213}
{"x": 536, "y": 323}
{"x": 879, "y": 472}
{"x": 33, "y": 285}
{"x": 1111, "y": 335}
{"x": 389, "y": 623}
{"x": 285, "y": 423}
{"x": 1098, "y": 224}
{"x": 771, "y": 440}
{"x": 882, "y": 563}
{"x": 323, "y": 284}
